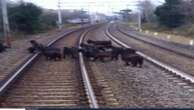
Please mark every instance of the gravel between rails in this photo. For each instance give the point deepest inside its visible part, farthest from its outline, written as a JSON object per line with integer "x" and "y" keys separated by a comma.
{"x": 49, "y": 83}
{"x": 103, "y": 92}
{"x": 147, "y": 87}
{"x": 183, "y": 63}
{"x": 13, "y": 57}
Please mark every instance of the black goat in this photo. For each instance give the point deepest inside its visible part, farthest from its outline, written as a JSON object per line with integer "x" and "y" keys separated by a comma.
{"x": 128, "y": 51}
{"x": 116, "y": 51}
{"x": 88, "y": 52}
{"x": 35, "y": 46}
{"x": 101, "y": 55}
{"x": 31, "y": 49}
{"x": 73, "y": 52}
{"x": 2, "y": 48}
{"x": 94, "y": 53}
{"x": 100, "y": 47}
{"x": 134, "y": 59}
{"x": 104, "y": 42}
{"x": 87, "y": 46}
{"x": 51, "y": 53}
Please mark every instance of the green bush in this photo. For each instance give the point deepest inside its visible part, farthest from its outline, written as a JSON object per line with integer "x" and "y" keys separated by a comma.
{"x": 25, "y": 17}
{"x": 170, "y": 14}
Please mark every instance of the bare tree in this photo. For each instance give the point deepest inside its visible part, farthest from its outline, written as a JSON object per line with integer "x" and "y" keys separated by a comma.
{"x": 147, "y": 9}
{"x": 187, "y": 8}
{"x": 190, "y": 5}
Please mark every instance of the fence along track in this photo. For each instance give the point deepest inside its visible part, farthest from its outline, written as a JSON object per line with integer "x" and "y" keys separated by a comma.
{"x": 44, "y": 91}
{"x": 169, "y": 68}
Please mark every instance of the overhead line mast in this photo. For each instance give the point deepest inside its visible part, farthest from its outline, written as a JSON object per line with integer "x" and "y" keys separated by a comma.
{"x": 139, "y": 17}
{"x": 59, "y": 15}
{"x": 6, "y": 27}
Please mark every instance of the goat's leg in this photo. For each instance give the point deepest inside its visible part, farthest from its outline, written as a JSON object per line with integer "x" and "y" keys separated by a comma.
{"x": 59, "y": 58}
{"x": 55, "y": 59}
{"x": 72, "y": 55}
{"x": 112, "y": 58}
{"x": 102, "y": 59}
{"x": 116, "y": 57}
{"x": 64, "y": 56}
{"x": 126, "y": 63}
{"x": 140, "y": 64}
{"x": 134, "y": 63}
{"x": 90, "y": 58}
{"x": 102, "y": 49}
{"x": 94, "y": 58}
{"x": 47, "y": 58}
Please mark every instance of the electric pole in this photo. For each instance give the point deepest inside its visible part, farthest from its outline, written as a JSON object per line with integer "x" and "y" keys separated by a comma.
{"x": 59, "y": 15}
{"x": 90, "y": 18}
{"x": 6, "y": 28}
{"x": 139, "y": 21}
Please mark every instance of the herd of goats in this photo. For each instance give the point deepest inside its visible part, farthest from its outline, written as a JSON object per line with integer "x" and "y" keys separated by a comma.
{"x": 92, "y": 50}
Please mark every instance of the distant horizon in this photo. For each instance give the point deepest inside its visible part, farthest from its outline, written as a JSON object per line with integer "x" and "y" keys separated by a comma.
{"x": 100, "y": 6}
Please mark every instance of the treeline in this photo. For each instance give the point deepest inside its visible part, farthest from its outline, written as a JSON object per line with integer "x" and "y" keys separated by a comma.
{"x": 172, "y": 16}
{"x": 175, "y": 13}
{"x": 25, "y": 17}
{"x": 172, "y": 13}
{"x": 29, "y": 18}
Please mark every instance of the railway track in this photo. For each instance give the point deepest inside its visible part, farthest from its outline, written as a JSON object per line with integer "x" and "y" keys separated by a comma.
{"x": 41, "y": 83}
{"x": 181, "y": 75}
{"x": 147, "y": 87}
{"x": 66, "y": 83}
{"x": 182, "y": 50}
{"x": 102, "y": 91}
{"x": 179, "y": 57}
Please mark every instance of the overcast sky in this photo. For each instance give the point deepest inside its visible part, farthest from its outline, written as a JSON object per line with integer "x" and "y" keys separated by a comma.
{"x": 102, "y": 6}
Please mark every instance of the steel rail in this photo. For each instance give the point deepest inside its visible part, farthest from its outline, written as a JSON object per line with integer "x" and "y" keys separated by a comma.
{"x": 87, "y": 84}
{"x": 5, "y": 84}
{"x": 167, "y": 67}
